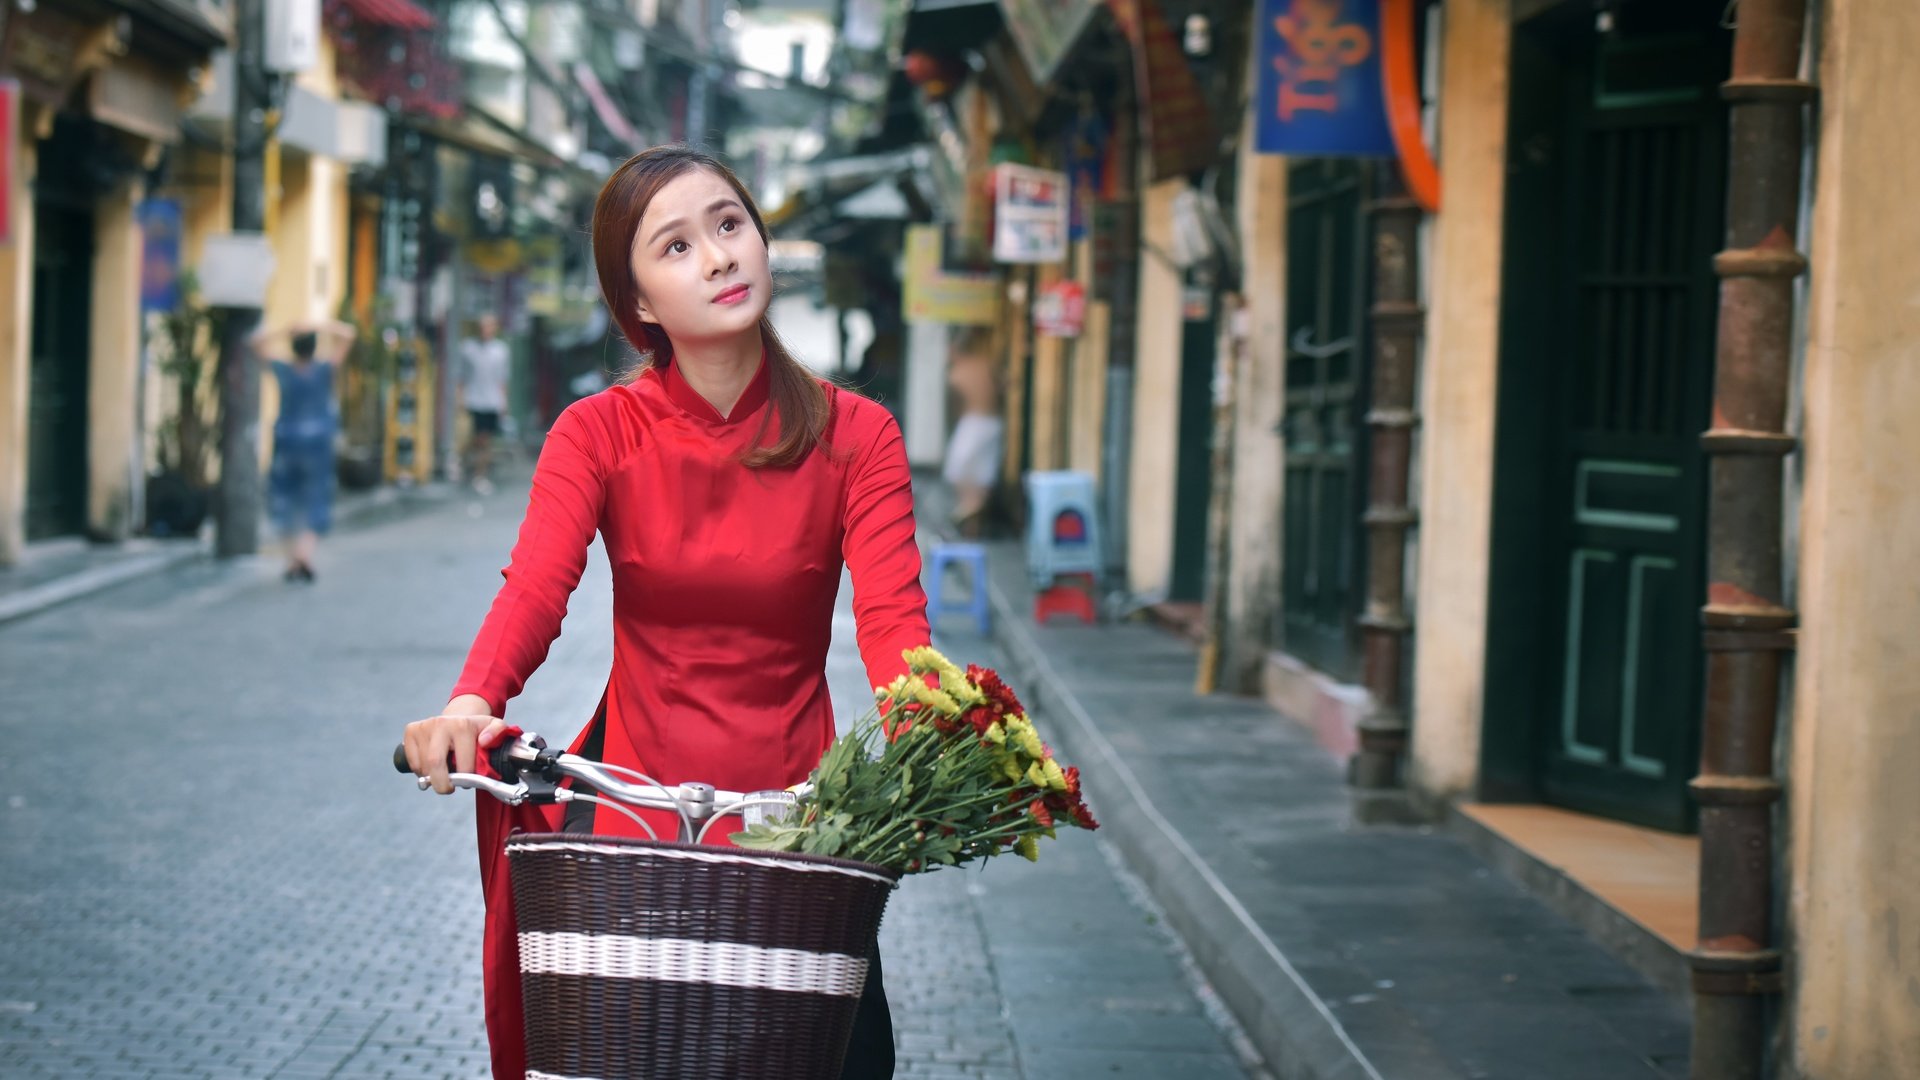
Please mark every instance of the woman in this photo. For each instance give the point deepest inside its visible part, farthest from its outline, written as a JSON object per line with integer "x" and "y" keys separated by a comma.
{"x": 300, "y": 482}
{"x": 729, "y": 485}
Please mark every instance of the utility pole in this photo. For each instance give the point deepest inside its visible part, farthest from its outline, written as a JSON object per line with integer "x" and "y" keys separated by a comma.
{"x": 237, "y": 525}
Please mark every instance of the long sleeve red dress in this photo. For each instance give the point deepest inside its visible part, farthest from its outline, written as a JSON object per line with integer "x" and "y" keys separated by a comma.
{"x": 724, "y": 581}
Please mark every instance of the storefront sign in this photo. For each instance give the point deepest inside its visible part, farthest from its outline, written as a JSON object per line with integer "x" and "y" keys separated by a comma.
{"x": 1321, "y": 88}
{"x": 931, "y": 293}
{"x": 1060, "y": 310}
{"x": 1029, "y": 215}
{"x": 1046, "y": 31}
{"x": 159, "y": 255}
{"x": 43, "y": 51}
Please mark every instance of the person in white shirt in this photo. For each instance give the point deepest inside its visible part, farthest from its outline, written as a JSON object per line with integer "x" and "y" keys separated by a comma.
{"x": 485, "y": 366}
{"x": 975, "y": 449}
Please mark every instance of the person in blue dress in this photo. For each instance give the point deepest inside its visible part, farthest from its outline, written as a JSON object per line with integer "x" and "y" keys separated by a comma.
{"x": 301, "y": 480}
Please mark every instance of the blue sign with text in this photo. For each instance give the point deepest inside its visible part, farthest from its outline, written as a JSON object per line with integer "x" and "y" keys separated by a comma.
{"x": 160, "y": 255}
{"x": 1320, "y": 88}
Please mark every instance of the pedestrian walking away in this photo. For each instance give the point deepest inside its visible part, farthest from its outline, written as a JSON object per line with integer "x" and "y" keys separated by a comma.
{"x": 485, "y": 366}
{"x": 300, "y": 481}
{"x": 730, "y": 486}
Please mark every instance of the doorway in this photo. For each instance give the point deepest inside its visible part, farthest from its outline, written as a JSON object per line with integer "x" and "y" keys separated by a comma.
{"x": 1617, "y": 147}
{"x": 60, "y": 347}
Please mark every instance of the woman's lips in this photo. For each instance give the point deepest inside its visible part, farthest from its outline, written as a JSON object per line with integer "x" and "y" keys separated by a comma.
{"x": 733, "y": 295}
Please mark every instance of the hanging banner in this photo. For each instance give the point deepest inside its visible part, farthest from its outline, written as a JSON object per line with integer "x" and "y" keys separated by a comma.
{"x": 1322, "y": 92}
{"x": 1085, "y": 158}
{"x": 1029, "y": 215}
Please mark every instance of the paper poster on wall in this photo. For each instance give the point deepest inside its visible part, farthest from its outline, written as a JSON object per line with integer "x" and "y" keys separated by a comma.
{"x": 1029, "y": 215}
{"x": 1060, "y": 310}
{"x": 931, "y": 293}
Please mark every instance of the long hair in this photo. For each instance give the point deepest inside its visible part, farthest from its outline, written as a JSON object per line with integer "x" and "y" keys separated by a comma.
{"x": 798, "y": 397}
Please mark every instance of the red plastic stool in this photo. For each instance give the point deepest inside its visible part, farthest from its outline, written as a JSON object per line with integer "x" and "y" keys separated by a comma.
{"x": 1070, "y": 594}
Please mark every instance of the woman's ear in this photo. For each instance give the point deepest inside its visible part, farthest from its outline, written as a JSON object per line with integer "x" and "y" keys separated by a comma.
{"x": 645, "y": 315}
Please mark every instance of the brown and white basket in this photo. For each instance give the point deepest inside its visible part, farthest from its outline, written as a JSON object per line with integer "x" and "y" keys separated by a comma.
{"x": 641, "y": 958}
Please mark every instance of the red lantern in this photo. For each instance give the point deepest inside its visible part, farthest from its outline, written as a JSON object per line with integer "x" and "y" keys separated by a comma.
{"x": 937, "y": 76}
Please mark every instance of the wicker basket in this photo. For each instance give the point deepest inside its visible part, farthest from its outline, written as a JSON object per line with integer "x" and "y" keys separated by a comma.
{"x": 645, "y": 959}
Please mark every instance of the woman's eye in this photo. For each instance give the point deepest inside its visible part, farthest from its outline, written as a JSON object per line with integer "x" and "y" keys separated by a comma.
{"x": 676, "y": 247}
{"x": 729, "y": 225}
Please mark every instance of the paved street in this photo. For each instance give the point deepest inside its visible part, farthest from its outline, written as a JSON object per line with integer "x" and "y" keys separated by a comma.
{"x": 210, "y": 870}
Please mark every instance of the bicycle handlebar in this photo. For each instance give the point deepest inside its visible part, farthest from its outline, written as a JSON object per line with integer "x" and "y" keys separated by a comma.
{"x": 529, "y": 772}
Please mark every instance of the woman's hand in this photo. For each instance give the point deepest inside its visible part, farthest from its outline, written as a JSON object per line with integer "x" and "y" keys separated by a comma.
{"x": 456, "y": 731}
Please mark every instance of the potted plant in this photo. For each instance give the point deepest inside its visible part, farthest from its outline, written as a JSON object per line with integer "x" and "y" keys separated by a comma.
{"x": 187, "y": 346}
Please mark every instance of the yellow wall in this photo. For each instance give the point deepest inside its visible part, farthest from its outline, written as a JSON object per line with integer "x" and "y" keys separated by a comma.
{"x": 113, "y": 372}
{"x": 16, "y": 338}
{"x": 1156, "y": 401}
{"x": 1259, "y": 474}
{"x": 1853, "y": 801}
{"x": 1457, "y": 401}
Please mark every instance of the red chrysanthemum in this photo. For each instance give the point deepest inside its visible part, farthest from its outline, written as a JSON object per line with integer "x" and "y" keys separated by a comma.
{"x": 998, "y": 693}
{"x": 1039, "y": 811}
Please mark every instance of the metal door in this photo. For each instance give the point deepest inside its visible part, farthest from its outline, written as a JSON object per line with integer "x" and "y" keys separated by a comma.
{"x": 1322, "y": 557}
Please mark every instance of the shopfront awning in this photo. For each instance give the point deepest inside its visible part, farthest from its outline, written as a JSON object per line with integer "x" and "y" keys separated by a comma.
{"x": 605, "y": 108}
{"x": 950, "y": 26}
{"x": 1046, "y": 31}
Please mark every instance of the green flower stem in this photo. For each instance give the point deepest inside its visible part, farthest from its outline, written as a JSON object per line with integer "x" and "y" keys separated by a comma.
{"x": 883, "y": 840}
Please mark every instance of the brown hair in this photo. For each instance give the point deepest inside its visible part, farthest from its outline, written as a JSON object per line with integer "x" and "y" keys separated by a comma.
{"x": 797, "y": 395}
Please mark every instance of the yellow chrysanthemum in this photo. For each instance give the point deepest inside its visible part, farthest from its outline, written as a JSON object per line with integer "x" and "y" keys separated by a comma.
{"x": 926, "y": 658}
{"x": 1037, "y": 776}
{"x": 1028, "y": 847}
{"x": 919, "y": 691}
{"x": 1012, "y": 770}
{"x": 1029, "y": 740}
{"x": 996, "y": 734}
{"x": 1056, "y": 779}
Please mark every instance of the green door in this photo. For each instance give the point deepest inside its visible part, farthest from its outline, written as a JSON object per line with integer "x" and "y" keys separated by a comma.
{"x": 1321, "y": 564}
{"x": 1193, "y": 466}
{"x": 1615, "y": 214}
{"x": 58, "y": 358}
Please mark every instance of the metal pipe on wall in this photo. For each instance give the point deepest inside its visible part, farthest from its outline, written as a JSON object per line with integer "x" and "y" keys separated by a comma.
{"x": 1396, "y": 316}
{"x": 1747, "y": 623}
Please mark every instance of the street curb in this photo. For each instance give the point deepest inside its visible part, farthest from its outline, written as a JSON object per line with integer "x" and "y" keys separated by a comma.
{"x": 87, "y": 582}
{"x": 1289, "y": 1024}
{"x": 380, "y": 506}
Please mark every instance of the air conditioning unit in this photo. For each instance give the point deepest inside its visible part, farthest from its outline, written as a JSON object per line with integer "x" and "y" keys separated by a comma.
{"x": 292, "y": 35}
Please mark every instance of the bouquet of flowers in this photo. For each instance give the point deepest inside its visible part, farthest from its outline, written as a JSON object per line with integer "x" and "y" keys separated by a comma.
{"x": 959, "y": 773}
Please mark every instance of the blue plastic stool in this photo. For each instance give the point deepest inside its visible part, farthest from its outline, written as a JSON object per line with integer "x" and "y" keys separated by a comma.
{"x": 975, "y": 558}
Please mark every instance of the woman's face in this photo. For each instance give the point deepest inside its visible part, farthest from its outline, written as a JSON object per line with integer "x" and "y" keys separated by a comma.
{"x": 700, "y": 264}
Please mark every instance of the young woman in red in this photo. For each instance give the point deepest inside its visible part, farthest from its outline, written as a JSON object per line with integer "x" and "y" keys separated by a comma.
{"x": 729, "y": 486}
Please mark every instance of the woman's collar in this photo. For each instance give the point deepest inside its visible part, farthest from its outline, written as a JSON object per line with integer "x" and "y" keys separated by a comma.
{"x": 690, "y": 401}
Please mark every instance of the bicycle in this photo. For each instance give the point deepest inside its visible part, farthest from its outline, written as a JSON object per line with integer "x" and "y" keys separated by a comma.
{"x": 653, "y": 958}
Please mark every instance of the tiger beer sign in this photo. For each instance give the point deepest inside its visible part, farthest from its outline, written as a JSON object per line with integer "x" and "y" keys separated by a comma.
{"x": 1322, "y": 89}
